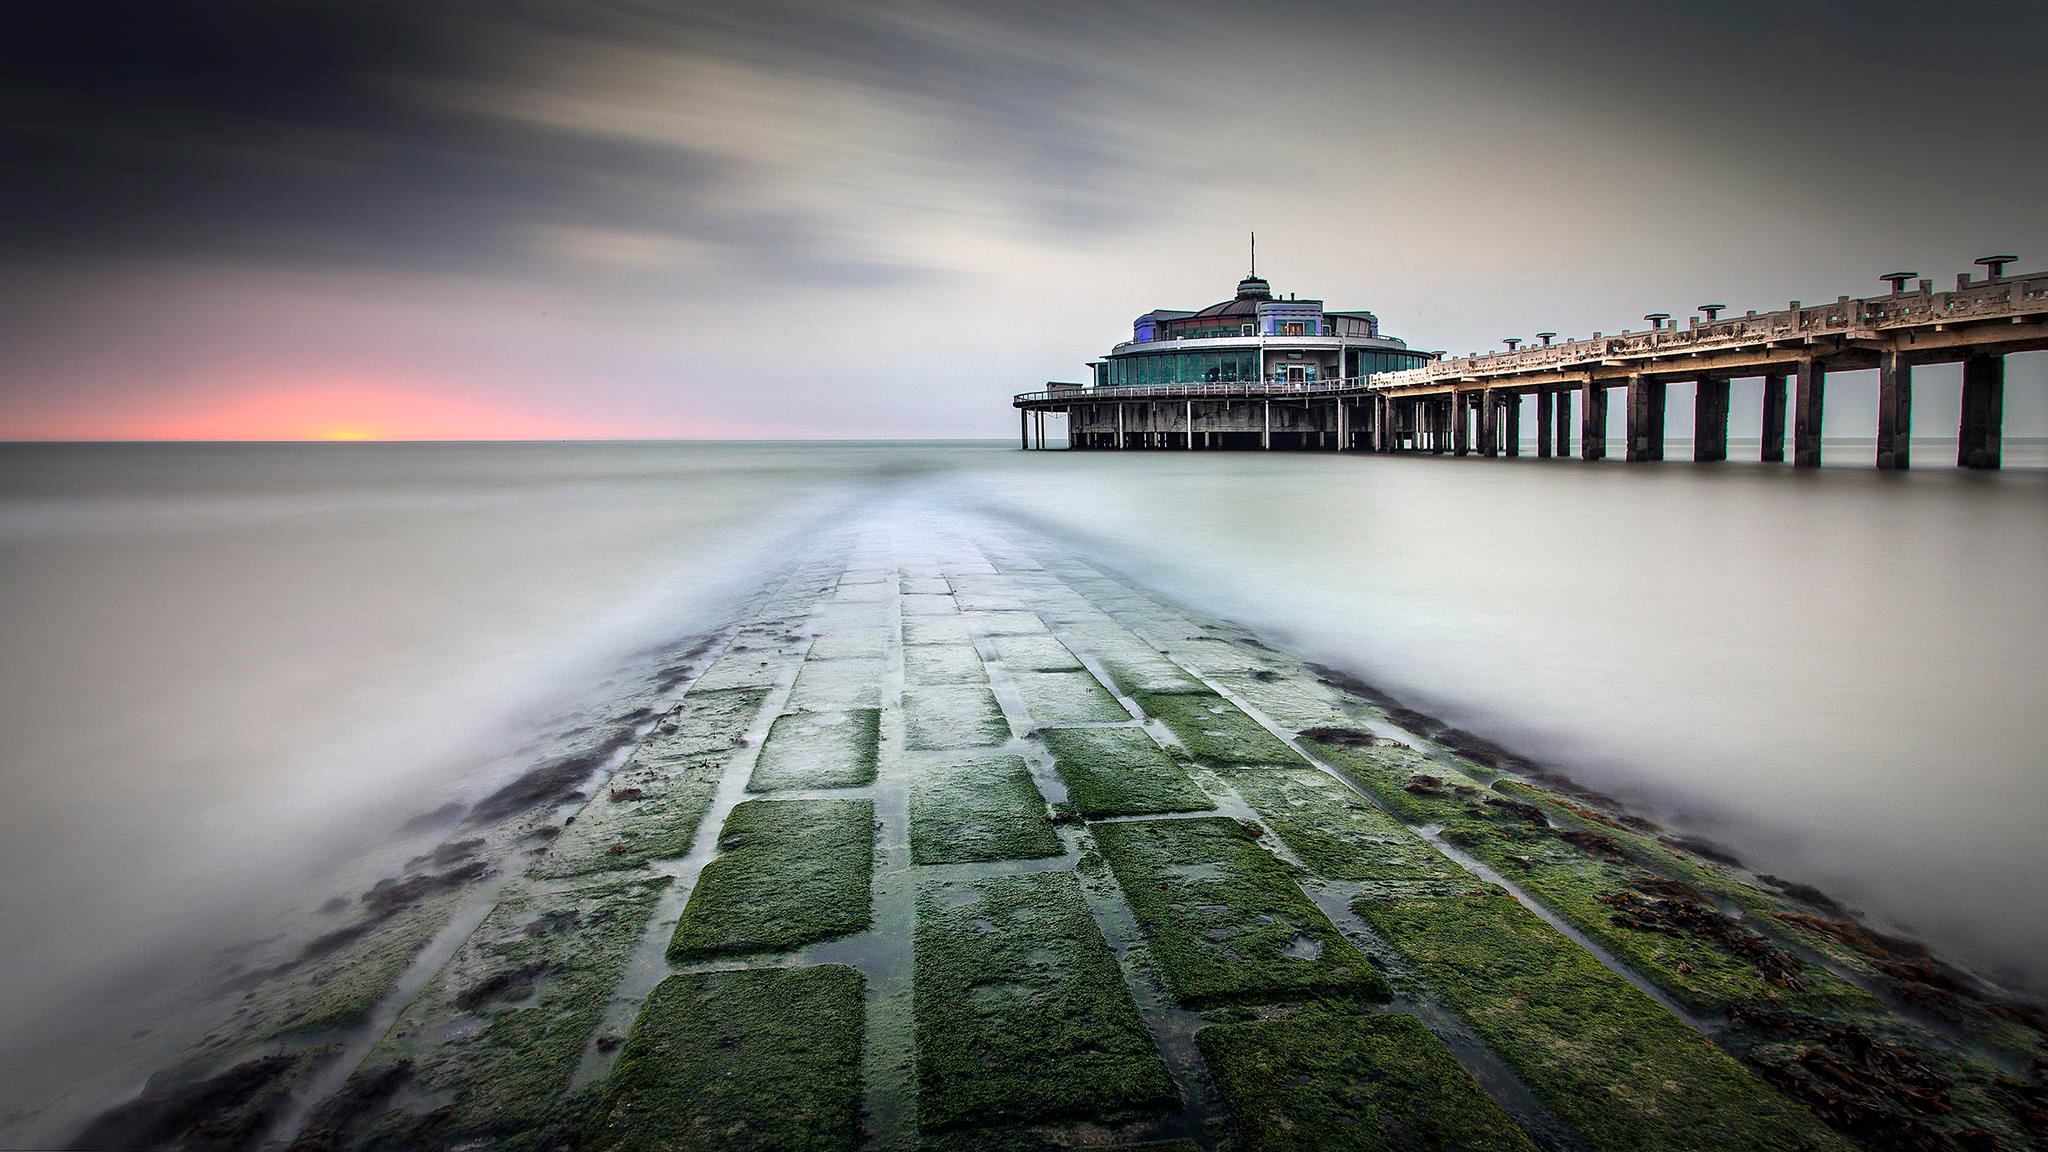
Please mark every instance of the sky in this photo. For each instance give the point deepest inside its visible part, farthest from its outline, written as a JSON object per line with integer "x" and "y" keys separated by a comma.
{"x": 553, "y": 219}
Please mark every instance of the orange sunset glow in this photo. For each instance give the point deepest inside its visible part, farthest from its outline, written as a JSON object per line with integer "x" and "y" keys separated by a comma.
{"x": 325, "y": 410}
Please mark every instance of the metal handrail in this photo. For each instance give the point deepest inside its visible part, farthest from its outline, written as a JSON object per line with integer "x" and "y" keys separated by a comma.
{"x": 1112, "y": 393}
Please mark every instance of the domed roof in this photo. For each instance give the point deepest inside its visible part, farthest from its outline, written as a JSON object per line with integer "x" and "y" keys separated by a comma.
{"x": 1250, "y": 291}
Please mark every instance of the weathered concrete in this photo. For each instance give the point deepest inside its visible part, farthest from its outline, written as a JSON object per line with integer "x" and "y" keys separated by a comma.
{"x": 1774, "y": 419}
{"x": 1894, "y": 412}
{"x": 1983, "y": 412}
{"x": 1645, "y": 419}
{"x": 1710, "y": 419}
{"x": 1808, "y": 401}
{"x": 1546, "y": 401}
{"x": 1593, "y": 421}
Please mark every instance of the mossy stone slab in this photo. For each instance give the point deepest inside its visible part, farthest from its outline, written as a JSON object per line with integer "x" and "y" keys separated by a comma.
{"x": 1034, "y": 654}
{"x": 943, "y": 717}
{"x": 1216, "y": 731}
{"x": 1337, "y": 834}
{"x": 644, "y": 812}
{"x": 757, "y": 1060}
{"x": 1226, "y": 920}
{"x": 930, "y": 605}
{"x": 1146, "y": 673}
{"x": 511, "y": 1013}
{"x": 1389, "y": 770}
{"x": 937, "y": 630}
{"x": 702, "y": 723}
{"x": 1121, "y": 772}
{"x": 1022, "y": 1013}
{"x": 1320, "y": 1080}
{"x": 838, "y": 685}
{"x": 850, "y": 644}
{"x": 788, "y": 873}
{"x": 818, "y": 750}
{"x": 955, "y": 663}
{"x": 1623, "y": 1073}
{"x": 1010, "y": 623}
{"x": 1294, "y": 699}
{"x": 985, "y": 809}
{"x": 1067, "y": 698}
{"x": 925, "y": 585}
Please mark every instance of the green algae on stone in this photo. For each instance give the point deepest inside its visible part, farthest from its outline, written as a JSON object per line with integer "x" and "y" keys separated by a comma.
{"x": 1121, "y": 772}
{"x": 645, "y": 812}
{"x": 972, "y": 810}
{"x": 1215, "y": 731}
{"x": 1339, "y": 836}
{"x": 764, "y": 1059}
{"x": 1042, "y": 653}
{"x": 838, "y": 685}
{"x": 1226, "y": 920}
{"x": 941, "y": 717}
{"x": 1067, "y": 698}
{"x": 1413, "y": 786}
{"x": 1294, "y": 699}
{"x": 1022, "y": 1013}
{"x": 955, "y": 663}
{"x": 788, "y": 873}
{"x": 850, "y": 644}
{"x": 703, "y": 722}
{"x": 497, "y": 1035}
{"x": 818, "y": 750}
{"x": 1318, "y": 1080}
{"x": 1142, "y": 672}
{"x": 1625, "y": 1074}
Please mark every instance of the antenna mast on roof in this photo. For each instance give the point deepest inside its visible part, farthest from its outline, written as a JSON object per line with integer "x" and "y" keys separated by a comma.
{"x": 1255, "y": 253}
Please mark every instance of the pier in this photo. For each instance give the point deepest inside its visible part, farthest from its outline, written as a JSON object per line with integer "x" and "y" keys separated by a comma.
{"x": 1472, "y": 405}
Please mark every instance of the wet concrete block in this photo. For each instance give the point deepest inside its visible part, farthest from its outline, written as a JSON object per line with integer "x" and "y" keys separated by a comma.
{"x": 1022, "y": 1013}
{"x": 1623, "y": 1073}
{"x": 1352, "y": 1084}
{"x": 1337, "y": 834}
{"x": 761, "y": 1060}
{"x": 937, "y": 630}
{"x": 788, "y": 873}
{"x": 953, "y": 716}
{"x": 1121, "y": 772}
{"x": 1034, "y": 653}
{"x": 955, "y": 663}
{"x": 930, "y": 605}
{"x": 818, "y": 750}
{"x": 1216, "y": 731}
{"x": 1226, "y": 920}
{"x": 981, "y": 809}
{"x": 838, "y": 685}
{"x": 1067, "y": 698}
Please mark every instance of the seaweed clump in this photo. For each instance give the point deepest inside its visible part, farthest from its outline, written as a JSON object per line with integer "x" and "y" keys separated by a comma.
{"x": 1881, "y": 1095}
{"x": 1657, "y": 904}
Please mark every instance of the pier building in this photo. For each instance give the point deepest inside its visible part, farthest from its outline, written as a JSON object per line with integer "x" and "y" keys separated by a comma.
{"x": 1355, "y": 389}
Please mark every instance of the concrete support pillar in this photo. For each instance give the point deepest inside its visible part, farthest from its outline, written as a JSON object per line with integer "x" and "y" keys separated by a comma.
{"x": 1266, "y": 432}
{"x": 1564, "y": 422}
{"x": 1546, "y": 401}
{"x": 1119, "y": 425}
{"x": 1191, "y": 425}
{"x": 1809, "y": 398}
{"x": 1343, "y": 425}
{"x": 1894, "y": 412}
{"x": 1593, "y": 421}
{"x": 1489, "y": 423}
{"x": 1774, "y": 419}
{"x": 1024, "y": 427}
{"x": 1710, "y": 419}
{"x": 1461, "y": 424}
{"x": 1645, "y": 419}
{"x": 1983, "y": 429}
{"x": 1511, "y": 427}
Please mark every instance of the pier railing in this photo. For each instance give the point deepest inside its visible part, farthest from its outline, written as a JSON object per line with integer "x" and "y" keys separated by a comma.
{"x": 2006, "y": 297}
{"x": 1197, "y": 390}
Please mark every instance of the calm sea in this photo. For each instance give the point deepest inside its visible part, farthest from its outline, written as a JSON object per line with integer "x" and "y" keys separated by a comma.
{"x": 232, "y": 672}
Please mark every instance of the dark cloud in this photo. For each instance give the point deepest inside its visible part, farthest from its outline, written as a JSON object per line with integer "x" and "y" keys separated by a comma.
{"x": 317, "y": 132}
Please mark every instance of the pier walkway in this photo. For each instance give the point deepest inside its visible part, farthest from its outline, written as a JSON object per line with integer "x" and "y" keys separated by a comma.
{"x": 1472, "y": 404}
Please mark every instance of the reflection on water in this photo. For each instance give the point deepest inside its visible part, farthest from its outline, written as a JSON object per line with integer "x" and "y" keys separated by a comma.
{"x": 233, "y": 671}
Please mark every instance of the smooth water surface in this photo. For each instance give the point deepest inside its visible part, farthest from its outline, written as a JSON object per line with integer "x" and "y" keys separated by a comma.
{"x": 232, "y": 672}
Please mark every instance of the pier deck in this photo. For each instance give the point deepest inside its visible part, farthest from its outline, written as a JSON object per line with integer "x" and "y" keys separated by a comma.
{"x": 1472, "y": 404}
